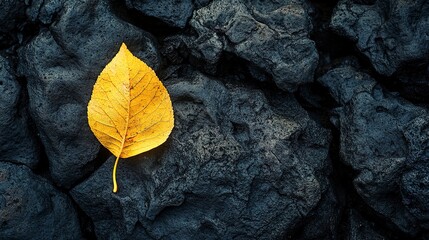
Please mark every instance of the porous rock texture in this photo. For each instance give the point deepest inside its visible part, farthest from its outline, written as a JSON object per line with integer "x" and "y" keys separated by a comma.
{"x": 173, "y": 12}
{"x": 294, "y": 119}
{"x": 247, "y": 161}
{"x": 392, "y": 34}
{"x": 31, "y": 208}
{"x": 17, "y": 141}
{"x": 379, "y": 140}
{"x": 274, "y": 37}
{"x": 61, "y": 65}
{"x": 12, "y": 15}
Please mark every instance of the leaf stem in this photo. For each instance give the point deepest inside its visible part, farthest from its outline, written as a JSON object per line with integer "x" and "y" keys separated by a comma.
{"x": 115, "y": 184}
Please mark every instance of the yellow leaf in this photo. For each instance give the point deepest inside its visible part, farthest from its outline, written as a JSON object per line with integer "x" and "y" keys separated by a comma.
{"x": 130, "y": 111}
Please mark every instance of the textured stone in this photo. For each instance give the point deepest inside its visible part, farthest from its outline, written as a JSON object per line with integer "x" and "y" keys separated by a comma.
{"x": 31, "y": 208}
{"x": 61, "y": 64}
{"x": 235, "y": 166}
{"x": 323, "y": 221}
{"x": 389, "y": 32}
{"x": 372, "y": 125}
{"x": 415, "y": 181}
{"x": 11, "y": 15}
{"x": 17, "y": 142}
{"x": 44, "y": 10}
{"x": 11, "y": 12}
{"x": 245, "y": 160}
{"x": 173, "y": 12}
{"x": 273, "y": 36}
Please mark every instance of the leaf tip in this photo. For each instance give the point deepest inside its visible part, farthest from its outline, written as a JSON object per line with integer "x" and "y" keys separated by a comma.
{"x": 123, "y": 46}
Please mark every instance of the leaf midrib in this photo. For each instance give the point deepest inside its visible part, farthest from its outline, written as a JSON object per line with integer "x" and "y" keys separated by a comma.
{"x": 128, "y": 109}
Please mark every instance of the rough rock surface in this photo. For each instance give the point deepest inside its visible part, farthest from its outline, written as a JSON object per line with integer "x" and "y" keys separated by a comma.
{"x": 31, "y": 208}
{"x": 389, "y": 32}
{"x": 295, "y": 119}
{"x": 61, "y": 65}
{"x": 17, "y": 142}
{"x": 44, "y": 11}
{"x": 11, "y": 15}
{"x": 394, "y": 36}
{"x": 324, "y": 221}
{"x": 415, "y": 180}
{"x": 274, "y": 37}
{"x": 173, "y": 12}
{"x": 372, "y": 126}
{"x": 236, "y": 166}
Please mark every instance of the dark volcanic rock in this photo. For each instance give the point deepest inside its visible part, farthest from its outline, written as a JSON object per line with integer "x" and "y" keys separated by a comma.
{"x": 323, "y": 221}
{"x": 61, "y": 65}
{"x": 235, "y": 166}
{"x": 372, "y": 125}
{"x": 17, "y": 143}
{"x": 44, "y": 10}
{"x": 358, "y": 228}
{"x": 273, "y": 36}
{"x": 415, "y": 182}
{"x": 245, "y": 159}
{"x": 389, "y": 32}
{"x": 31, "y": 208}
{"x": 12, "y": 12}
{"x": 173, "y": 12}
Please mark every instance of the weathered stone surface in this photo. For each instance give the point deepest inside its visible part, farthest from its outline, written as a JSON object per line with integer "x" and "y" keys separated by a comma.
{"x": 389, "y": 32}
{"x": 173, "y": 12}
{"x": 372, "y": 125}
{"x": 415, "y": 181}
{"x": 323, "y": 222}
{"x": 17, "y": 143}
{"x": 44, "y": 10}
{"x": 236, "y": 166}
{"x": 11, "y": 15}
{"x": 11, "y": 12}
{"x": 245, "y": 160}
{"x": 61, "y": 64}
{"x": 273, "y": 36}
{"x": 31, "y": 208}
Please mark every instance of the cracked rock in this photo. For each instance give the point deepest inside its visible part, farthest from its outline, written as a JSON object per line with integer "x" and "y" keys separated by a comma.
{"x": 11, "y": 16}
{"x": 236, "y": 166}
{"x": 389, "y": 32}
{"x": 173, "y": 12}
{"x": 31, "y": 208}
{"x": 272, "y": 36}
{"x": 17, "y": 142}
{"x": 372, "y": 126}
{"x": 62, "y": 64}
